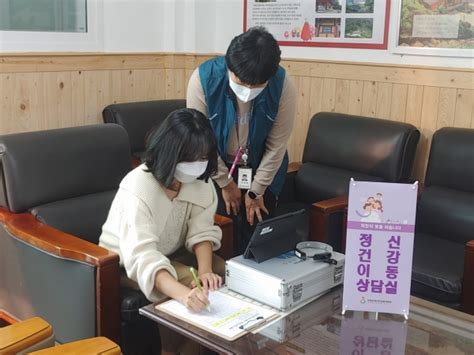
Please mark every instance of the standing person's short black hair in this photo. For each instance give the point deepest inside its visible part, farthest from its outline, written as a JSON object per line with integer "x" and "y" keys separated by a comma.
{"x": 253, "y": 56}
{"x": 184, "y": 136}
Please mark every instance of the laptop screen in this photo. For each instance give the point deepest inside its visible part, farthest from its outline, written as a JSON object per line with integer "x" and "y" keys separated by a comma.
{"x": 274, "y": 237}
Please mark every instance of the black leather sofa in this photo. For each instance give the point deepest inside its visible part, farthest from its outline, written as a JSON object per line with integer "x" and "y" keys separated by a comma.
{"x": 443, "y": 260}
{"x": 339, "y": 147}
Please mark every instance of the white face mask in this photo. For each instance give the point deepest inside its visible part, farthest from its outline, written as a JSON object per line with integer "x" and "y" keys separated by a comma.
{"x": 244, "y": 93}
{"x": 187, "y": 172}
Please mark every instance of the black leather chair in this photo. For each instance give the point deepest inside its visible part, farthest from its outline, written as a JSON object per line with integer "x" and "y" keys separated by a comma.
{"x": 340, "y": 147}
{"x": 56, "y": 188}
{"x": 139, "y": 117}
{"x": 443, "y": 261}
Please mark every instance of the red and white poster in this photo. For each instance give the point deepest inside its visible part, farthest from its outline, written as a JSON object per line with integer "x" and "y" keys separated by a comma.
{"x": 322, "y": 23}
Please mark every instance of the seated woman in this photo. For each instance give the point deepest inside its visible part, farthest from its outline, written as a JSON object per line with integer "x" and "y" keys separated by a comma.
{"x": 166, "y": 204}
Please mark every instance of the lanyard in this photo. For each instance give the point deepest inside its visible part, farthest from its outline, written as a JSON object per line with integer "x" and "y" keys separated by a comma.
{"x": 242, "y": 150}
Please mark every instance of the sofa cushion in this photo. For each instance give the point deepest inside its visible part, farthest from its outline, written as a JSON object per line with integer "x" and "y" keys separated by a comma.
{"x": 139, "y": 117}
{"x": 446, "y": 213}
{"x": 316, "y": 182}
{"x": 437, "y": 268}
{"x": 370, "y": 146}
{"x": 80, "y": 216}
{"x": 46, "y": 166}
{"x": 451, "y": 161}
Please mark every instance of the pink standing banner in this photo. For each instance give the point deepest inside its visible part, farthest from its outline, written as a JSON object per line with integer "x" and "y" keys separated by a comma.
{"x": 379, "y": 247}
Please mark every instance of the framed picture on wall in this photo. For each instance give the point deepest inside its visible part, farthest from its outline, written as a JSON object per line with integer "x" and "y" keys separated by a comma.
{"x": 322, "y": 23}
{"x": 435, "y": 27}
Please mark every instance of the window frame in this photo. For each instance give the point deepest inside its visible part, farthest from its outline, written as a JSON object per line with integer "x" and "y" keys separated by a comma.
{"x": 32, "y": 41}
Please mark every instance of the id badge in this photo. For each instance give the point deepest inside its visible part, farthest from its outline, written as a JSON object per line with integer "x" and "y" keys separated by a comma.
{"x": 245, "y": 178}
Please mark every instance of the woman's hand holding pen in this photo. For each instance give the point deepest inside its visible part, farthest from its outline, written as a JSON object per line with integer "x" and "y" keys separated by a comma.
{"x": 196, "y": 299}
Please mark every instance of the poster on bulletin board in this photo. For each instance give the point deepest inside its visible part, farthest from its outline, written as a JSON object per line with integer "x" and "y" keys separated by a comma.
{"x": 379, "y": 247}
{"x": 322, "y": 23}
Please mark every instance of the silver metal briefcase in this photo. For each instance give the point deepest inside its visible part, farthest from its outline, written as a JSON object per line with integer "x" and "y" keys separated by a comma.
{"x": 284, "y": 281}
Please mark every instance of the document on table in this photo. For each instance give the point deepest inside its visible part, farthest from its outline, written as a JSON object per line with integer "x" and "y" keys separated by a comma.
{"x": 229, "y": 317}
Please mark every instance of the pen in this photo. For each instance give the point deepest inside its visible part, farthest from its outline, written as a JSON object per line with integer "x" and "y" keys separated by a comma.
{"x": 234, "y": 164}
{"x": 198, "y": 284}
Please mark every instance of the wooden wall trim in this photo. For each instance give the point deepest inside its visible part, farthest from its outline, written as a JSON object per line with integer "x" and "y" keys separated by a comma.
{"x": 440, "y": 77}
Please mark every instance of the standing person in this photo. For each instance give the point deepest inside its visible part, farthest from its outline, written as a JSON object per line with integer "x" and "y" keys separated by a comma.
{"x": 250, "y": 101}
{"x": 161, "y": 220}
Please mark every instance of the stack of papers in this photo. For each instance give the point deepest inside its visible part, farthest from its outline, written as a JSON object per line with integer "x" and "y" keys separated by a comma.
{"x": 229, "y": 317}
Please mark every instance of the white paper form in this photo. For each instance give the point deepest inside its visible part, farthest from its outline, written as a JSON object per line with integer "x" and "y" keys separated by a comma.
{"x": 229, "y": 317}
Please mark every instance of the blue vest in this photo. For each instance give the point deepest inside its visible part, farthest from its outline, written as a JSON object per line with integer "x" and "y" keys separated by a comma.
{"x": 221, "y": 112}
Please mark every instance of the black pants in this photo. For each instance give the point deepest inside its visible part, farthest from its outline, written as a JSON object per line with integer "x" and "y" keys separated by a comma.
{"x": 242, "y": 229}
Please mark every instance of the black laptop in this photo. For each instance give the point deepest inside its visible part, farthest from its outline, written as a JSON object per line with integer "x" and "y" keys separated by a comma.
{"x": 274, "y": 237}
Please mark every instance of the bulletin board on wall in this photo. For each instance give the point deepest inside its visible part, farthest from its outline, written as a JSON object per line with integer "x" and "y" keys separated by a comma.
{"x": 435, "y": 27}
{"x": 322, "y": 23}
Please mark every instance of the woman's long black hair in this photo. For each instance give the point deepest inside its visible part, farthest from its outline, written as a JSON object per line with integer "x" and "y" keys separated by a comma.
{"x": 184, "y": 136}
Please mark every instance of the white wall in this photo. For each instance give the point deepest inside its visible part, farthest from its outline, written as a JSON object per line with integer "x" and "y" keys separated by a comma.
{"x": 202, "y": 26}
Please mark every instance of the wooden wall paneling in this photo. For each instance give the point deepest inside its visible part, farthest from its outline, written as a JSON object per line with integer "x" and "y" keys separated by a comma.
{"x": 84, "y": 62}
{"x": 439, "y": 77}
{"x": 187, "y": 76}
{"x": 328, "y": 98}
{"x": 414, "y": 105}
{"x": 175, "y": 84}
{"x": 98, "y": 94}
{"x": 384, "y": 100}
{"x": 446, "y": 107}
{"x": 78, "y": 104}
{"x": 57, "y": 87}
{"x": 342, "y": 96}
{"x": 356, "y": 92}
{"x": 189, "y": 65}
{"x": 398, "y": 102}
{"x": 159, "y": 77}
{"x": 145, "y": 85}
{"x": 429, "y": 119}
{"x": 170, "y": 84}
{"x": 315, "y": 103}
{"x": 31, "y": 97}
{"x": 116, "y": 90}
{"x": 127, "y": 86}
{"x": 27, "y": 113}
{"x": 464, "y": 109}
{"x": 369, "y": 99}
{"x": 291, "y": 146}
{"x": 7, "y": 88}
{"x": 140, "y": 83}
{"x": 300, "y": 126}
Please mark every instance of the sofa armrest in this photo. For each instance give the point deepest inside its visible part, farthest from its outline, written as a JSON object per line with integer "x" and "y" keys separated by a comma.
{"x": 319, "y": 216}
{"x": 98, "y": 345}
{"x": 468, "y": 279}
{"x": 227, "y": 243}
{"x": 22, "y": 336}
{"x": 29, "y": 230}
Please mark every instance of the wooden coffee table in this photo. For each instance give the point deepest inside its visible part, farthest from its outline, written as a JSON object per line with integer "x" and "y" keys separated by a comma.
{"x": 319, "y": 328}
